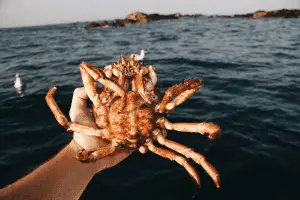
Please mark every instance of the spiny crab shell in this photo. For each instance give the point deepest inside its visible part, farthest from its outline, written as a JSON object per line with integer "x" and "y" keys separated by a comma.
{"x": 130, "y": 113}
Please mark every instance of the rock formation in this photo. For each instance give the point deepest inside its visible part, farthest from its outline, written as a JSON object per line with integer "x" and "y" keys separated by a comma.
{"x": 274, "y": 13}
{"x": 104, "y": 24}
{"x": 92, "y": 25}
{"x": 277, "y": 13}
{"x": 134, "y": 18}
{"x": 142, "y": 18}
{"x": 138, "y": 17}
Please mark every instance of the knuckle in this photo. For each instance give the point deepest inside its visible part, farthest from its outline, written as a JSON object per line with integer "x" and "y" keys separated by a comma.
{"x": 76, "y": 91}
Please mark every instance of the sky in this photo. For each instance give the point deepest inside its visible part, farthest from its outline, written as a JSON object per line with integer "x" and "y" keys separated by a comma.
{"x": 17, "y": 13}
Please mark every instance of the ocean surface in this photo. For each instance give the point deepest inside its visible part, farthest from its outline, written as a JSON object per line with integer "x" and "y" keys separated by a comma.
{"x": 251, "y": 74}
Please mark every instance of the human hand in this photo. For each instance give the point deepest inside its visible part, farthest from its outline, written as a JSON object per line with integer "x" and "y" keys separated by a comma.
{"x": 79, "y": 113}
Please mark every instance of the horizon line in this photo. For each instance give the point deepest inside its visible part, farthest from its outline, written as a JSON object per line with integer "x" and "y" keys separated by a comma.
{"x": 93, "y": 20}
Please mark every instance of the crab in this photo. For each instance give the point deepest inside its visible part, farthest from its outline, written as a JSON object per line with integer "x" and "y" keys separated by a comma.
{"x": 130, "y": 113}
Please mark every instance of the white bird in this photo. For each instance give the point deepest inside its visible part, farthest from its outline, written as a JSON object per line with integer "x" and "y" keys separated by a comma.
{"x": 139, "y": 57}
{"x": 18, "y": 84}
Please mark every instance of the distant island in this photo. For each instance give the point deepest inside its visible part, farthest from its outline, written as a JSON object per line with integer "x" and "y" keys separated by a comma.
{"x": 142, "y": 18}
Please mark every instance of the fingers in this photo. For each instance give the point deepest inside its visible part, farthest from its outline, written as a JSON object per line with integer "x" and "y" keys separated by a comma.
{"x": 79, "y": 97}
{"x": 78, "y": 111}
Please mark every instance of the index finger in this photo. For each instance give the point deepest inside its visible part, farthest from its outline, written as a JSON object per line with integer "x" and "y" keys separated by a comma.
{"x": 80, "y": 96}
{"x": 78, "y": 105}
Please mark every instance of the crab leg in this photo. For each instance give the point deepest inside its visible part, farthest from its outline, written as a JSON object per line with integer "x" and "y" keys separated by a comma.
{"x": 209, "y": 128}
{"x": 173, "y": 156}
{"x": 62, "y": 120}
{"x": 182, "y": 91}
{"x": 123, "y": 60}
{"x": 101, "y": 113}
{"x": 82, "y": 129}
{"x": 71, "y": 126}
{"x": 132, "y": 60}
{"x": 86, "y": 157}
{"x": 180, "y": 99}
{"x": 112, "y": 70}
{"x": 120, "y": 75}
{"x": 99, "y": 76}
{"x": 151, "y": 72}
{"x": 139, "y": 85}
{"x": 90, "y": 87}
{"x": 91, "y": 90}
{"x": 133, "y": 85}
{"x": 108, "y": 71}
{"x": 59, "y": 116}
{"x": 144, "y": 70}
{"x": 152, "y": 75}
{"x": 121, "y": 79}
{"x": 189, "y": 153}
{"x": 143, "y": 149}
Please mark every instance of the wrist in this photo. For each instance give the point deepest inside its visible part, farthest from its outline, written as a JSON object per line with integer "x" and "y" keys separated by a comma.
{"x": 73, "y": 149}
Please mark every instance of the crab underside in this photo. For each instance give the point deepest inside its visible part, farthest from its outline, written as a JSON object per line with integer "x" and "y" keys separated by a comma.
{"x": 129, "y": 112}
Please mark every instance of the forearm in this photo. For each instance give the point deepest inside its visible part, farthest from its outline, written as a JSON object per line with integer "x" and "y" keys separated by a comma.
{"x": 63, "y": 177}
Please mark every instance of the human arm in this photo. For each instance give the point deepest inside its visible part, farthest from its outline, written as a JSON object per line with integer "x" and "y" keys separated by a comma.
{"x": 63, "y": 177}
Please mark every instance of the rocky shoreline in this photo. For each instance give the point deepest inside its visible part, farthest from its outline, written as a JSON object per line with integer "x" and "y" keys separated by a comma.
{"x": 142, "y": 18}
{"x": 134, "y": 18}
{"x": 283, "y": 13}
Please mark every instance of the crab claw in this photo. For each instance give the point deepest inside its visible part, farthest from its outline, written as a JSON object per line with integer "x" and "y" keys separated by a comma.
{"x": 123, "y": 60}
{"x": 140, "y": 86}
{"x": 132, "y": 59}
